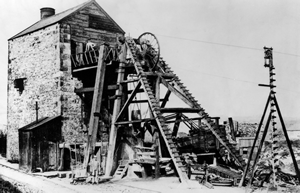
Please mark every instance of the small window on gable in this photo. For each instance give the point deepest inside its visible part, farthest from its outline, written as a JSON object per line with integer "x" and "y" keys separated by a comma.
{"x": 96, "y": 22}
{"x": 102, "y": 23}
{"x": 19, "y": 84}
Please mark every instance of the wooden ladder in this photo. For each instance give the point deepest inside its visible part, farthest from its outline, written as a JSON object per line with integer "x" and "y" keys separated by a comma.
{"x": 121, "y": 170}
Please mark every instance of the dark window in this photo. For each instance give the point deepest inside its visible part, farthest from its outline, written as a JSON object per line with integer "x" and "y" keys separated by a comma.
{"x": 19, "y": 84}
{"x": 102, "y": 23}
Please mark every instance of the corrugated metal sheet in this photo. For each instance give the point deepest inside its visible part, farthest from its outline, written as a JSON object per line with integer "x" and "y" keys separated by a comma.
{"x": 58, "y": 17}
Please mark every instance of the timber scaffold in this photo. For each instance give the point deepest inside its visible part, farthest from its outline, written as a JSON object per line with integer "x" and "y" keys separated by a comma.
{"x": 148, "y": 81}
{"x": 176, "y": 86}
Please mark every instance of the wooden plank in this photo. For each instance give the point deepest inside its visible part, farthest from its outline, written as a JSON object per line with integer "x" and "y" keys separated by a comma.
{"x": 91, "y": 89}
{"x": 116, "y": 113}
{"x": 130, "y": 81}
{"x": 176, "y": 125}
{"x": 166, "y": 99}
{"x": 96, "y": 106}
{"x": 157, "y": 88}
{"x": 112, "y": 87}
{"x": 137, "y": 91}
{"x": 85, "y": 68}
{"x": 127, "y": 103}
{"x": 134, "y": 121}
{"x": 143, "y": 101}
{"x": 230, "y": 122}
{"x": 83, "y": 90}
{"x": 191, "y": 119}
{"x": 179, "y": 110}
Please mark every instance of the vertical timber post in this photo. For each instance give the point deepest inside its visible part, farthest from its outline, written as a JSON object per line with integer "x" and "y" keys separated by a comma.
{"x": 116, "y": 110}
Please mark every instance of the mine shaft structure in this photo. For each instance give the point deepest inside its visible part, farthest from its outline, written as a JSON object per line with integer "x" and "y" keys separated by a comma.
{"x": 138, "y": 63}
{"x": 275, "y": 137}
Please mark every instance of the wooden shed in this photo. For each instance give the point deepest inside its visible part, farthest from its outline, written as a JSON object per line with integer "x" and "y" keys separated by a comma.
{"x": 244, "y": 145}
{"x": 39, "y": 144}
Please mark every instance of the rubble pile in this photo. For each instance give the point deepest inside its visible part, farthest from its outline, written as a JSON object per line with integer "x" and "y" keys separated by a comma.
{"x": 247, "y": 129}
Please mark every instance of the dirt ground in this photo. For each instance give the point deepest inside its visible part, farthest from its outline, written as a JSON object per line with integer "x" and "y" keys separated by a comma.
{"x": 22, "y": 182}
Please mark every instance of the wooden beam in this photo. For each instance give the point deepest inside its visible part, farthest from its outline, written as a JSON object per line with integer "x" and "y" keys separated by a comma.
{"x": 191, "y": 119}
{"x": 287, "y": 139}
{"x": 260, "y": 147}
{"x": 85, "y": 68}
{"x": 166, "y": 99}
{"x": 91, "y": 89}
{"x": 157, "y": 88}
{"x": 96, "y": 105}
{"x": 83, "y": 90}
{"x": 129, "y": 100}
{"x": 116, "y": 112}
{"x": 134, "y": 121}
{"x": 130, "y": 81}
{"x": 217, "y": 118}
{"x": 137, "y": 91}
{"x": 179, "y": 110}
{"x": 177, "y": 93}
{"x": 230, "y": 122}
{"x": 143, "y": 101}
{"x": 112, "y": 87}
{"x": 156, "y": 74}
{"x": 176, "y": 125}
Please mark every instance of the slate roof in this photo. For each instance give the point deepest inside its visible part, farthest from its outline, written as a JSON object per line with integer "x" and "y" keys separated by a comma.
{"x": 39, "y": 123}
{"x": 58, "y": 17}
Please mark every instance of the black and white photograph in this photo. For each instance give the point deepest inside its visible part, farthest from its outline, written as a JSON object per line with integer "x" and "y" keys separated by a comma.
{"x": 149, "y": 96}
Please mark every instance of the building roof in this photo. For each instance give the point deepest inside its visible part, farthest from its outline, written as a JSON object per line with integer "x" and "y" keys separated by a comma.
{"x": 40, "y": 122}
{"x": 58, "y": 17}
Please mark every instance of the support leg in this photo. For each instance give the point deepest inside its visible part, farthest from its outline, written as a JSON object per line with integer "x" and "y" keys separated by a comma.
{"x": 255, "y": 140}
{"x": 287, "y": 139}
{"x": 260, "y": 147}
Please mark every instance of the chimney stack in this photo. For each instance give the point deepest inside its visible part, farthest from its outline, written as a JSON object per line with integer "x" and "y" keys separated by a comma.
{"x": 47, "y": 12}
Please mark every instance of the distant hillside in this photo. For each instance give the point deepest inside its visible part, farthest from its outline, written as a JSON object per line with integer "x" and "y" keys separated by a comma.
{"x": 290, "y": 123}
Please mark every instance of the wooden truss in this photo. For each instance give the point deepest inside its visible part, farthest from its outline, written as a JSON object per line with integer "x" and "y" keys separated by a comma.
{"x": 148, "y": 83}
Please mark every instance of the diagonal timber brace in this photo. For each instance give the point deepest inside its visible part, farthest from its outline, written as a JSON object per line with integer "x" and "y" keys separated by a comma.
{"x": 96, "y": 105}
{"x": 186, "y": 99}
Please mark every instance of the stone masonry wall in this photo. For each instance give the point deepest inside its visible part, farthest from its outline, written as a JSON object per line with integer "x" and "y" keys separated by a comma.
{"x": 35, "y": 57}
{"x": 73, "y": 128}
{"x": 43, "y": 58}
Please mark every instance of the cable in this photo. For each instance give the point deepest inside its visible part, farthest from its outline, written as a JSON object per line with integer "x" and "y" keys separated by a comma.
{"x": 222, "y": 44}
{"x": 234, "y": 79}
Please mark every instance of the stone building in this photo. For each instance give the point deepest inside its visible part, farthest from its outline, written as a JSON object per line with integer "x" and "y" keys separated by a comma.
{"x": 41, "y": 70}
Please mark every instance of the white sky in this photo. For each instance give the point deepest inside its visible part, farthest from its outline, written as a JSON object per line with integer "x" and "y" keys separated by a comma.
{"x": 223, "y": 78}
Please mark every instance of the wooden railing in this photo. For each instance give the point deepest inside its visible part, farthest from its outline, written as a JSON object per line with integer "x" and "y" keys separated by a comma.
{"x": 85, "y": 58}
{"x": 90, "y": 58}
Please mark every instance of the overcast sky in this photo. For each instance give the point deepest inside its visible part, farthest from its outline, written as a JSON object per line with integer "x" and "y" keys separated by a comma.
{"x": 214, "y": 46}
